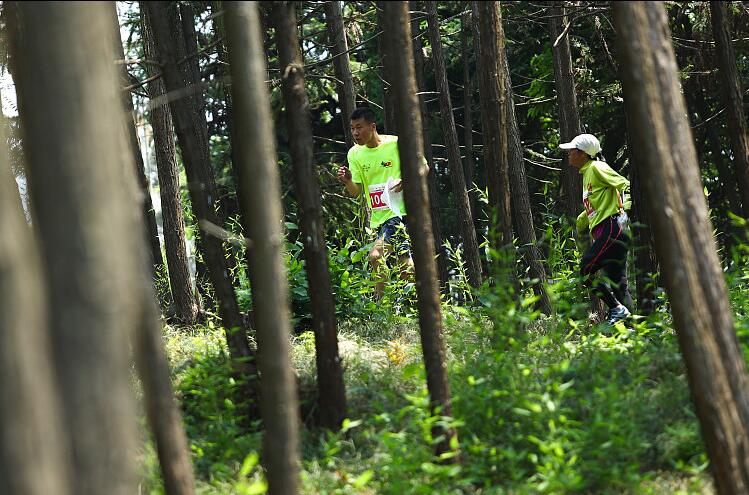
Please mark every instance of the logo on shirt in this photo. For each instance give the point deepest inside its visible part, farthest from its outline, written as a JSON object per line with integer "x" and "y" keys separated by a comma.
{"x": 386, "y": 164}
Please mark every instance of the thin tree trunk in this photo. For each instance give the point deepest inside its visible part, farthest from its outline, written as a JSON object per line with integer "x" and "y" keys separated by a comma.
{"x": 460, "y": 192}
{"x": 184, "y": 100}
{"x": 410, "y": 142}
{"x": 684, "y": 242}
{"x": 383, "y": 40}
{"x": 521, "y": 201}
{"x": 262, "y": 214}
{"x": 469, "y": 161}
{"x": 341, "y": 65}
{"x": 32, "y": 457}
{"x": 183, "y": 295}
{"x": 162, "y": 410}
{"x": 569, "y": 115}
{"x": 733, "y": 98}
{"x": 646, "y": 264}
{"x": 149, "y": 214}
{"x": 75, "y": 144}
{"x": 442, "y": 261}
{"x": 494, "y": 126}
{"x": 332, "y": 392}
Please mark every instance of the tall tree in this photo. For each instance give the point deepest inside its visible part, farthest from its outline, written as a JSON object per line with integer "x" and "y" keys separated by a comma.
{"x": 262, "y": 214}
{"x": 434, "y": 203}
{"x": 193, "y": 140}
{"x": 185, "y": 303}
{"x": 81, "y": 189}
{"x": 383, "y": 39}
{"x": 569, "y": 115}
{"x": 149, "y": 214}
{"x": 459, "y": 190}
{"x": 32, "y": 459}
{"x": 733, "y": 98}
{"x": 410, "y": 143}
{"x": 341, "y": 64}
{"x": 469, "y": 160}
{"x": 493, "y": 95}
{"x": 332, "y": 392}
{"x": 683, "y": 238}
{"x": 521, "y": 201}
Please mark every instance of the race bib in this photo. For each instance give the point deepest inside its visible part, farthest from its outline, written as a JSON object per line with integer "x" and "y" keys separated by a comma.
{"x": 376, "y": 200}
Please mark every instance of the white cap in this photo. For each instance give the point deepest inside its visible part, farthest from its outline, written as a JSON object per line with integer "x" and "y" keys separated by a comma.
{"x": 584, "y": 142}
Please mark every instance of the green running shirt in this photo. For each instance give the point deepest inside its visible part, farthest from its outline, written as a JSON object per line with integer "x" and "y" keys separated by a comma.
{"x": 372, "y": 167}
{"x": 602, "y": 193}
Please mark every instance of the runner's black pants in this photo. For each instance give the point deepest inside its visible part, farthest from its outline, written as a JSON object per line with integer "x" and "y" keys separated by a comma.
{"x": 608, "y": 253}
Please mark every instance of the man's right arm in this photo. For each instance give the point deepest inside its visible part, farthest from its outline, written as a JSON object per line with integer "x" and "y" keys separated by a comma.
{"x": 353, "y": 188}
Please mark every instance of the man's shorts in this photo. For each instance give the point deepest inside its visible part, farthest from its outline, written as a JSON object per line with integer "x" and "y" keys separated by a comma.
{"x": 393, "y": 232}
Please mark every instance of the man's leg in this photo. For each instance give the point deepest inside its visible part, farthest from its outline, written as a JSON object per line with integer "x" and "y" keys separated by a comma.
{"x": 377, "y": 263}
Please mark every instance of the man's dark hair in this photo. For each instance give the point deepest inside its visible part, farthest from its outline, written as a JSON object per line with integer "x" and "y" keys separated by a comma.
{"x": 365, "y": 113}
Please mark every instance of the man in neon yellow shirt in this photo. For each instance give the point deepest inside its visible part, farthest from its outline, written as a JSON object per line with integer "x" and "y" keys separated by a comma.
{"x": 604, "y": 217}
{"x": 375, "y": 170}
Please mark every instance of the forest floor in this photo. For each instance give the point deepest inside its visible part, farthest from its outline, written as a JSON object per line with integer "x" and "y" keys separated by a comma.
{"x": 547, "y": 407}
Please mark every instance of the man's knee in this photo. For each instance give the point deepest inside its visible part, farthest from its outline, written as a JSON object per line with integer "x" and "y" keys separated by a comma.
{"x": 376, "y": 254}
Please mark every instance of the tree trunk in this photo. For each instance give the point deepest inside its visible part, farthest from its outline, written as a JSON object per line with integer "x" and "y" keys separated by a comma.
{"x": 410, "y": 142}
{"x": 493, "y": 95}
{"x": 82, "y": 185}
{"x": 32, "y": 459}
{"x": 460, "y": 192}
{"x": 149, "y": 214}
{"x": 521, "y": 201}
{"x": 262, "y": 214}
{"x": 569, "y": 116}
{"x": 442, "y": 261}
{"x": 162, "y": 410}
{"x": 646, "y": 264}
{"x": 185, "y": 105}
{"x": 733, "y": 98}
{"x": 332, "y": 392}
{"x": 389, "y": 98}
{"x": 469, "y": 162}
{"x": 185, "y": 303}
{"x": 337, "y": 39}
{"x": 683, "y": 239}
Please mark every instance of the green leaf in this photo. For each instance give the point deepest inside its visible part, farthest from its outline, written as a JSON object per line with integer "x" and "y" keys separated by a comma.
{"x": 362, "y": 479}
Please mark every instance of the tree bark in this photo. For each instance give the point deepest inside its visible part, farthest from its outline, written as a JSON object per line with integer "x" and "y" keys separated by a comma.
{"x": 434, "y": 203}
{"x": 341, "y": 65}
{"x": 81, "y": 187}
{"x": 32, "y": 457}
{"x": 469, "y": 161}
{"x": 332, "y": 392}
{"x": 185, "y": 303}
{"x": 493, "y": 95}
{"x": 184, "y": 96}
{"x": 521, "y": 201}
{"x": 391, "y": 126}
{"x": 149, "y": 214}
{"x": 683, "y": 239}
{"x": 569, "y": 115}
{"x": 262, "y": 213}
{"x": 460, "y": 192}
{"x": 733, "y": 98}
{"x": 410, "y": 142}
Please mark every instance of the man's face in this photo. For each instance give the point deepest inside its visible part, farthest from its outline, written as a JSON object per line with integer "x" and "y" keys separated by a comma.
{"x": 576, "y": 158}
{"x": 362, "y": 130}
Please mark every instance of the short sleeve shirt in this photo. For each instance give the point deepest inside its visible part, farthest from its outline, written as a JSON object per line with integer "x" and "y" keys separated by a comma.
{"x": 372, "y": 167}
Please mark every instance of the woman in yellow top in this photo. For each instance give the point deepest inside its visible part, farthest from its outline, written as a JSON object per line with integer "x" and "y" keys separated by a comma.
{"x": 603, "y": 190}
